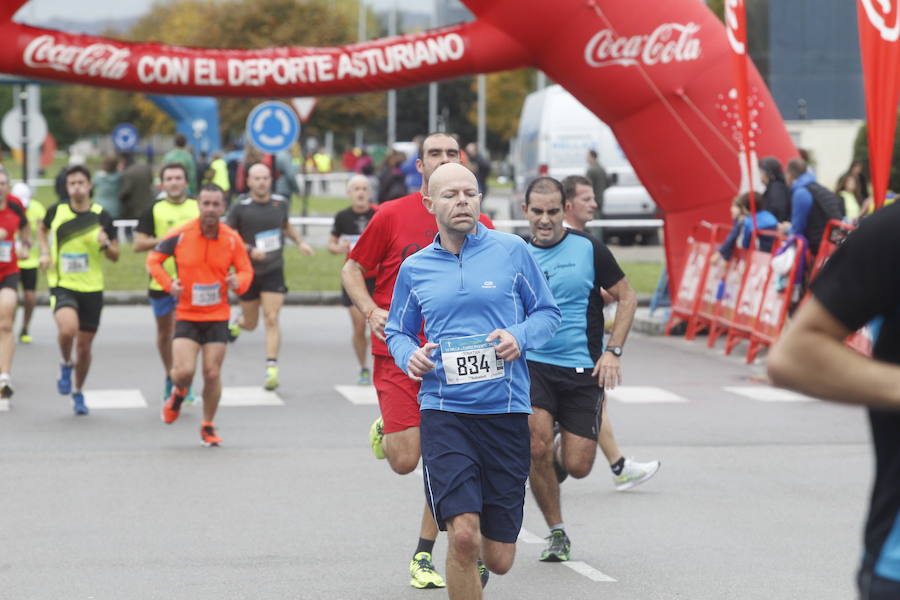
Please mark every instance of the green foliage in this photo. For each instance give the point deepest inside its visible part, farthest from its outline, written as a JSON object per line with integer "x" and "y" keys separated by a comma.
{"x": 861, "y": 152}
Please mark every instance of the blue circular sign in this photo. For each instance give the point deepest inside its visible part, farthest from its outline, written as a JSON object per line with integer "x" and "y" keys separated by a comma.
{"x": 273, "y": 127}
{"x": 125, "y": 137}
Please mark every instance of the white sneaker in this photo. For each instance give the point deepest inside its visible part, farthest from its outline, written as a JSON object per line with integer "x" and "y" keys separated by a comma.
{"x": 635, "y": 473}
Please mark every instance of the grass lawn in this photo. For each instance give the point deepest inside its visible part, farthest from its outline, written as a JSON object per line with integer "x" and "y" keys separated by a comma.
{"x": 643, "y": 276}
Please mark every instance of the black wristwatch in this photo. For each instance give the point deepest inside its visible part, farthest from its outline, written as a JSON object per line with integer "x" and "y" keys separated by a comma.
{"x": 616, "y": 350}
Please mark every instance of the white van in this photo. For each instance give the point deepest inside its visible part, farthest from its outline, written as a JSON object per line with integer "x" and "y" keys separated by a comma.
{"x": 555, "y": 133}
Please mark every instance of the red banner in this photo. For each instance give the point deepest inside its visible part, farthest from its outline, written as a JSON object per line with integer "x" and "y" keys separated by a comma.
{"x": 879, "y": 30}
{"x": 736, "y": 31}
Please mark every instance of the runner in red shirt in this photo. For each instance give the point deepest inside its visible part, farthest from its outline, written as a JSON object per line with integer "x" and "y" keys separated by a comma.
{"x": 12, "y": 221}
{"x": 400, "y": 228}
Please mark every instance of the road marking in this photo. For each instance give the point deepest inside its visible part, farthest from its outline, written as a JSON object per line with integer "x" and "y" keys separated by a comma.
{"x": 112, "y": 399}
{"x": 588, "y": 571}
{"x": 765, "y": 393}
{"x": 358, "y": 394}
{"x": 643, "y": 394}
{"x": 527, "y": 537}
{"x": 248, "y": 396}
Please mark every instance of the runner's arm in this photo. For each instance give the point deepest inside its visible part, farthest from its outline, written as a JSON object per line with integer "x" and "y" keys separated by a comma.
{"x": 624, "y": 294}
{"x": 354, "y": 280}
{"x": 336, "y": 246}
{"x": 404, "y": 321}
{"x": 157, "y": 257}
{"x": 43, "y": 240}
{"x": 291, "y": 232}
{"x": 144, "y": 238}
{"x": 812, "y": 358}
{"x": 107, "y": 237}
{"x": 542, "y": 314}
{"x": 242, "y": 266}
{"x": 143, "y": 242}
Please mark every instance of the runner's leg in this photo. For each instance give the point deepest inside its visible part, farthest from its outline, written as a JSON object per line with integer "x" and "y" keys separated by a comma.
{"x": 607, "y": 439}
{"x": 463, "y": 547}
{"x": 83, "y": 342}
{"x": 271, "y": 308}
{"x": 8, "y": 301}
{"x": 542, "y": 478}
{"x": 213, "y": 355}
{"x": 184, "y": 361}
{"x": 577, "y": 454}
{"x": 249, "y": 318}
{"x": 165, "y": 329}
{"x": 360, "y": 340}
{"x": 66, "y": 319}
{"x": 29, "y": 301}
{"x": 497, "y": 556}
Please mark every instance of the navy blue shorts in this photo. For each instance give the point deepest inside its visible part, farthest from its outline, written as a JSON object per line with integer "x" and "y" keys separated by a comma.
{"x": 477, "y": 464}
{"x": 873, "y": 586}
{"x": 162, "y": 304}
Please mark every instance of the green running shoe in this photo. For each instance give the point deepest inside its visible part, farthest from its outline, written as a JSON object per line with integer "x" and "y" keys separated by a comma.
{"x": 558, "y": 548}
{"x": 376, "y": 435}
{"x": 271, "y": 379}
{"x": 422, "y": 574}
{"x": 483, "y": 573}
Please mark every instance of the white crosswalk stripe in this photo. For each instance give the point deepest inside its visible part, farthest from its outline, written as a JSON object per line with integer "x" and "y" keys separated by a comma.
{"x": 764, "y": 393}
{"x": 643, "y": 394}
{"x": 588, "y": 571}
{"x": 113, "y": 399}
{"x": 358, "y": 394}
{"x": 234, "y": 396}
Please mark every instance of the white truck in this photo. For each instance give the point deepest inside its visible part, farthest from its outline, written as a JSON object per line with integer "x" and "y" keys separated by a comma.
{"x": 555, "y": 134}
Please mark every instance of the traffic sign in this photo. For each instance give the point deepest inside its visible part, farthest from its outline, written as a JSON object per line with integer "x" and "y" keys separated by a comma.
{"x": 273, "y": 127}
{"x": 304, "y": 106}
{"x": 11, "y": 129}
{"x": 125, "y": 137}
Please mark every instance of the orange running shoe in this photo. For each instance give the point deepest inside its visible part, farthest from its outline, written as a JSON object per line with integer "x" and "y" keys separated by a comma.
{"x": 172, "y": 408}
{"x": 209, "y": 436}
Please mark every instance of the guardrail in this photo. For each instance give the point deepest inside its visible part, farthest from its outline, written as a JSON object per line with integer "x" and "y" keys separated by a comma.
{"x": 124, "y": 224}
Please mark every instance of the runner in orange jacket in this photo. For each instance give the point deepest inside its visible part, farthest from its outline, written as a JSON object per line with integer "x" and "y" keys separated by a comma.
{"x": 205, "y": 250}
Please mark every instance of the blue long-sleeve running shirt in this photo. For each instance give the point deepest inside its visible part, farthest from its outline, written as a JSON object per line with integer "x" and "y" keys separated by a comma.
{"x": 494, "y": 283}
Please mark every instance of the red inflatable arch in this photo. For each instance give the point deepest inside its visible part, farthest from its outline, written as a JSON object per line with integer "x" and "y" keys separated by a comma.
{"x": 659, "y": 73}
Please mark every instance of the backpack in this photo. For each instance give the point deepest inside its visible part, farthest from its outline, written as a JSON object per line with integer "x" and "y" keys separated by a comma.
{"x": 826, "y": 206}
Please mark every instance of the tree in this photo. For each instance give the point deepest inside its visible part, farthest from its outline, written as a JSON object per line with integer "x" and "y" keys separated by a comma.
{"x": 505, "y": 94}
{"x": 861, "y": 152}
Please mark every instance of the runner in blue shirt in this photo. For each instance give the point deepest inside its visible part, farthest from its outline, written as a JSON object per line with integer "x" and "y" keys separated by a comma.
{"x": 570, "y": 372}
{"x": 484, "y": 302}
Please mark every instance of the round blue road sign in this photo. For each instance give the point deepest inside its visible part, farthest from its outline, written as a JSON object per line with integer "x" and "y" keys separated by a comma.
{"x": 273, "y": 126}
{"x": 125, "y": 137}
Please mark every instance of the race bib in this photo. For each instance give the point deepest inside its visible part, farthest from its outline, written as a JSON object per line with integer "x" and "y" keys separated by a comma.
{"x": 350, "y": 239}
{"x": 470, "y": 359}
{"x": 6, "y": 251}
{"x": 73, "y": 263}
{"x": 269, "y": 241}
{"x": 206, "y": 294}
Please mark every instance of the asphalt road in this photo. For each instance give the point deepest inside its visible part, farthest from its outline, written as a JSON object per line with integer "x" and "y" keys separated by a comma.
{"x": 755, "y": 499}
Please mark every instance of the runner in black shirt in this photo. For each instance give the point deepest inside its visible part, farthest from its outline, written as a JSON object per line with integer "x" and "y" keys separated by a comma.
{"x": 262, "y": 221}
{"x": 348, "y": 225}
{"x": 859, "y": 285}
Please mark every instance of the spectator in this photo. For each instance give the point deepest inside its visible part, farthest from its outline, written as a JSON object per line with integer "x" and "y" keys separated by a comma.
{"x": 107, "y": 182}
{"x": 180, "y": 154}
{"x": 812, "y": 205}
{"x": 480, "y": 165}
{"x": 286, "y": 183}
{"x": 220, "y": 176}
{"x": 742, "y": 229}
{"x": 362, "y": 161}
{"x": 136, "y": 187}
{"x": 203, "y": 173}
{"x": 858, "y": 170}
{"x": 349, "y": 158}
{"x": 599, "y": 179}
{"x": 413, "y": 177}
{"x": 847, "y": 190}
{"x": 391, "y": 181}
{"x": 777, "y": 196}
{"x": 322, "y": 161}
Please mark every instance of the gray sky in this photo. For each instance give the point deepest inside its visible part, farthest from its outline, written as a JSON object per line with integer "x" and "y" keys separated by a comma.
{"x": 39, "y": 10}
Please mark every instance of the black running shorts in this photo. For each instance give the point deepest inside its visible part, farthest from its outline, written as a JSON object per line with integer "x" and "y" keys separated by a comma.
{"x": 573, "y": 398}
{"x": 203, "y": 332}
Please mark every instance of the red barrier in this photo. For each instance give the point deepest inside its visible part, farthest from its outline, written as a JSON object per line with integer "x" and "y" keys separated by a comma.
{"x": 750, "y": 298}
{"x": 687, "y": 299}
{"x": 835, "y": 232}
{"x": 775, "y": 304}
{"x": 726, "y": 309}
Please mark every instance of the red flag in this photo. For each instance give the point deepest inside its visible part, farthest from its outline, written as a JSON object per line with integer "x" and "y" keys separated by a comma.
{"x": 736, "y": 29}
{"x": 879, "y": 30}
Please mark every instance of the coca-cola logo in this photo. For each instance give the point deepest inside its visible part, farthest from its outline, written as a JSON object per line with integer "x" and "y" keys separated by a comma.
{"x": 96, "y": 60}
{"x": 670, "y": 42}
{"x": 734, "y": 31}
{"x": 885, "y": 18}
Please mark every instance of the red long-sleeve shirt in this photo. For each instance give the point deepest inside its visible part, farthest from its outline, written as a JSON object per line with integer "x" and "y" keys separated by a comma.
{"x": 203, "y": 265}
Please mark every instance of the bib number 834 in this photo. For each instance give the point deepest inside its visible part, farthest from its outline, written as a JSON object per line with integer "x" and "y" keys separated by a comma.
{"x": 471, "y": 365}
